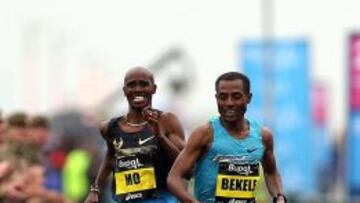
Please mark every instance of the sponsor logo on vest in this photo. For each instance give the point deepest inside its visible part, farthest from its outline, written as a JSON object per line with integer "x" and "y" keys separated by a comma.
{"x": 131, "y": 196}
{"x": 237, "y": 201}
{"x": 251, "y": 150}
{"x": 130, "y": 164}
{"x": 141, "y": 142}
{"x": 243, "y": 170}
{"x": 118, "y": 143}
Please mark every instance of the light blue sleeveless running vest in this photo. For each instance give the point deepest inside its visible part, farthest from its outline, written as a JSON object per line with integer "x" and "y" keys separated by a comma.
{"x": 224, "y": 146}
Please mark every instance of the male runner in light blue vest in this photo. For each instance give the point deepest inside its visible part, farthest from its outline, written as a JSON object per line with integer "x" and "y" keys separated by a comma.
{"x": 227, "y": 151}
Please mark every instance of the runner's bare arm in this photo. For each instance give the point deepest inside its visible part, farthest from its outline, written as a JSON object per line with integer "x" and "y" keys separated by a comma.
{"x": 272, "y": 177}
{"x": 196, "y": 146}
{"x": 173, "y": 137}
{"x": 105, "y": 168}
{"x": 104, "y": 171}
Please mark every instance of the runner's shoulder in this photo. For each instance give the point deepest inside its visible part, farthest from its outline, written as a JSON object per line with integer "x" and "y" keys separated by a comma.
{"x": 103, "y": 127}
{"x": 203, "y": 133}
{"x": 267, "y": 137}
{"x": 168, "y": 118}
{"x": 167, "y": 115}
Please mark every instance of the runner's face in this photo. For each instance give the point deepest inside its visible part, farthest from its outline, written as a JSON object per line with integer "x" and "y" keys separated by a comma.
{"x": 138, "y": 89}
{"x": 232, "y": 99}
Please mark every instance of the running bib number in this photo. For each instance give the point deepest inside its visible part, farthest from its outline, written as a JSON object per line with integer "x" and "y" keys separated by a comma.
{"x": 135, "y": 180}
{"x": 236, "y": 182}
{"x": 236, "y": 186}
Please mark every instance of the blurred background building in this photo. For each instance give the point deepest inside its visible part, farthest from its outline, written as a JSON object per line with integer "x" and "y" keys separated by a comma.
{"x": 66, "y": 59}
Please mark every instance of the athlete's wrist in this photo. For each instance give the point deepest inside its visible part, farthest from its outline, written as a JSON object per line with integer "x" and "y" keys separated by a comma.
{"x": 94, "y": 188}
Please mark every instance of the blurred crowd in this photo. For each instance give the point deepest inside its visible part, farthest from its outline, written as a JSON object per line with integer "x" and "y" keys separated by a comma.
{"x": 38, "y": 167}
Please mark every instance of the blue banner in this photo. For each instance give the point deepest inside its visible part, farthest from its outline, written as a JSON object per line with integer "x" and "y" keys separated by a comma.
{"x": 353, "y": 139}
{"x": 353, "y": 169}
{"x": 284, "y": 84}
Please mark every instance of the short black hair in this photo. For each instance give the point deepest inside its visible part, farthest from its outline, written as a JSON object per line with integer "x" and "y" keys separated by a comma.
{"x": 233, "y": 75}
{"x": 18, "y": 119}
{"x": 39, "y": 121}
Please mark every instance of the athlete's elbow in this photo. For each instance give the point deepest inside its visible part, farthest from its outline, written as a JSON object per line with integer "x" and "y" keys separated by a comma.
{"x": 172, "y": 179}
{"x": 170, "y": 182}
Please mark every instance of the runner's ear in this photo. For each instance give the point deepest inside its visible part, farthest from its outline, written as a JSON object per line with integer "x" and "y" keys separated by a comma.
{"x": 249, "y": 98}
{"x": 154, "y": 89}
{"x": 124, "y": 90}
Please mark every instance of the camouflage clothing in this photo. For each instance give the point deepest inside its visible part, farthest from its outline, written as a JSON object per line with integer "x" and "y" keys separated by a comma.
{"x": 20, "y": 154}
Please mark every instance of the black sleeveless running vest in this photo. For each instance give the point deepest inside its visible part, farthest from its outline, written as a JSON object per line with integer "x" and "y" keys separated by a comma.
{"x": 140, "y": 165}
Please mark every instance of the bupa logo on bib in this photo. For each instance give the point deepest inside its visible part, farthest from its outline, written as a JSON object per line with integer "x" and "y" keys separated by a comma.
{"x": 129, "y": 164}
{"x": 240, "y": 169}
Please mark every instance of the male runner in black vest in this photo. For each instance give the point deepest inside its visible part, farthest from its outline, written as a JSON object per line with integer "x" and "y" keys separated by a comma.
{"x": 141, "y": 146}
